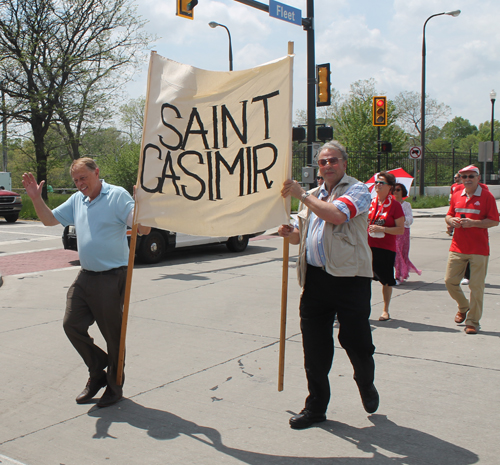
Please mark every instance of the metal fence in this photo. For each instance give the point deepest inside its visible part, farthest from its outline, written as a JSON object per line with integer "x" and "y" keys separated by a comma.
{"x": 439, "y": 166}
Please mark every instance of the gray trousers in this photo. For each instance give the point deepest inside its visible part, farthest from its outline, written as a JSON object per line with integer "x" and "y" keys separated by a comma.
{"x": 97, "y": 297}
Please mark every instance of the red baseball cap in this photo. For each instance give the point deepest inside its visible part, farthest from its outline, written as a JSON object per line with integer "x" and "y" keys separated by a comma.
{"x": 473, "y": 168}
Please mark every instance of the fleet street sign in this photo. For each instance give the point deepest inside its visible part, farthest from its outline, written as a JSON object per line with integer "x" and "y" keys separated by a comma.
{"x": 285, "y": 12}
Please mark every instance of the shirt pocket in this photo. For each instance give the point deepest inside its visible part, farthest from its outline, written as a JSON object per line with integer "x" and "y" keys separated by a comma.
{"x": 342, "y": 250}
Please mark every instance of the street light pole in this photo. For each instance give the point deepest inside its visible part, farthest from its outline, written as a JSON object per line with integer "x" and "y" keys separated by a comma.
{"x": 493, "y": 96}
{"x": 213, "y": 24}
{"x": 4, "y": 131}
{"x": 422, "y": 106}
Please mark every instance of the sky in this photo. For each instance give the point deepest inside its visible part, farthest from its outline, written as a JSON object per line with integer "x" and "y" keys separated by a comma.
{"x": 361, "y": 39}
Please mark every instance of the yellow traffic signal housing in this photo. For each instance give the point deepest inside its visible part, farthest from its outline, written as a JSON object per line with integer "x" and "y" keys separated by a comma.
{"x": 379, "y": 111}
{"x": 323, "y": 86}
{"x": 185, "y": 8}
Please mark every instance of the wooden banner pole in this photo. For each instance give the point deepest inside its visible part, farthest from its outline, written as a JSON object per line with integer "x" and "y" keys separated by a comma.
{"x": 126, "y": 305}
{"x": 284, "y": 295}
{"x": 284, "y": 291}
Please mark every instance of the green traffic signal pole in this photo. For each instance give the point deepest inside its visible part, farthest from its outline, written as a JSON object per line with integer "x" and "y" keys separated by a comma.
{"x": 307, "y": 25}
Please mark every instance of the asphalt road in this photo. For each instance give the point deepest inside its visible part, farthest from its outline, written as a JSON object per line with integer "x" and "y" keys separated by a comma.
{"x": 202, "y": 361}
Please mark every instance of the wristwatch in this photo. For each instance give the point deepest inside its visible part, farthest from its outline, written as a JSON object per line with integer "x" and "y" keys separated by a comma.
{"x": 304, "y": 196}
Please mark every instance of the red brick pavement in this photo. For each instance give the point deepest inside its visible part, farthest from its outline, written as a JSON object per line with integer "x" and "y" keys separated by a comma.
{"x": 30, "y": 262}
{"x": 38, "y": 261}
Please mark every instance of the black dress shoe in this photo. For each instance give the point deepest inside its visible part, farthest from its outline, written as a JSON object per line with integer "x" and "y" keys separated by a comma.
{"x": 305, "y": 419}
{"x": 109, "y": 397}
{"x": 94, "y": 385}
{"x": 370, "y": 398}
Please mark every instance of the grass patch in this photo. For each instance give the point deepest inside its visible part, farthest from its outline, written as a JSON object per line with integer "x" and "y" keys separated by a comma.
{"x": 429, "y": 201}
{"x": 28, "y": 211}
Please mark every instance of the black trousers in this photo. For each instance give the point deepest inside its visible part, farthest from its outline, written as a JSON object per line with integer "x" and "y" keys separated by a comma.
{"x": 97, "y": 297}
{"x": 324, "y": 297}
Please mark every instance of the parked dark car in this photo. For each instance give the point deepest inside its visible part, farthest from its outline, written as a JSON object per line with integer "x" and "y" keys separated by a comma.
{"x": 10, "y": 205}
{"x": 153, "y": 247}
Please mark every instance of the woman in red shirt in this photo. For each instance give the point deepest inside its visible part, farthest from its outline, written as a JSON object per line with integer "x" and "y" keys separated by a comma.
{"x": 385, "y": 221}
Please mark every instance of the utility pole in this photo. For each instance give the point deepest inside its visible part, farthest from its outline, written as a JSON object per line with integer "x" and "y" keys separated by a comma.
{"x": 308, "y": 25}
{"x": 4, "y": 131}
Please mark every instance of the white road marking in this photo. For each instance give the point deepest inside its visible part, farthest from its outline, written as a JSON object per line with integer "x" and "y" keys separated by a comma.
{"x": 8, "y": 461}
{"x": 28, "y": 251}
{"x": 17, "y": 233}
{"x": 27, "y": 241}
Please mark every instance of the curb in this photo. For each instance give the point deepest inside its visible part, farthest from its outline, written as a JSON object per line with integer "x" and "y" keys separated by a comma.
{"x": 429, "y": 215}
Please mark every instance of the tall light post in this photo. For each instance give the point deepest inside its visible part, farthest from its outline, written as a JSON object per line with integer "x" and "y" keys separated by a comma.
{"x": 493, "y": 96}
{"x": 213, "y": 24}
{"x": 4, "y": 129}
{"x": 453, "y": 13}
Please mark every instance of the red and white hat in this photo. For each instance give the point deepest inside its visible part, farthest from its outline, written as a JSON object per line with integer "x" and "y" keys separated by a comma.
{"x": 473, "y": 168}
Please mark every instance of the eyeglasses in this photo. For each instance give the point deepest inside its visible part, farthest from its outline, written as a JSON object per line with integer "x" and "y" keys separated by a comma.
{"x": 331, "y": 161}
{"x": 381, "y": 182}
{"x": 470, "y": 176}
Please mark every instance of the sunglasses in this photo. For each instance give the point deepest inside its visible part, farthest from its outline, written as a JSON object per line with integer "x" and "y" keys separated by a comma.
{"x": 331, "y": 161}
{"x": 381, "y": 182}
{"x": 398, "y": 189}
{"x": 470, "y": 176}
{"x": 319, "y": 178}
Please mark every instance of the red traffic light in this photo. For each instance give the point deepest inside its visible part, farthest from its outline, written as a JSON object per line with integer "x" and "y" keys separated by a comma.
{"x": 379, "y": 110}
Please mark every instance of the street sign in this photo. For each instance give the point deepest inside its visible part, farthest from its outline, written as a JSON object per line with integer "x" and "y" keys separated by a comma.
{"x": 315, "y": 150}
{"x": 285, "y": 12}
{"x": 486, "y": 151}
{"x": 415, "y": 153}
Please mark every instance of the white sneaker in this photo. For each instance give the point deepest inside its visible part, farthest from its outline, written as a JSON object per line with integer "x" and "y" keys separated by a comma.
{"x": 464, "y": 281}
{"x": 397, "y": 282}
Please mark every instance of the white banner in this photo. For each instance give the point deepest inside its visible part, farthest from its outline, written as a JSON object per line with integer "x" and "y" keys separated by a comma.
{"x": 217, "y": 147}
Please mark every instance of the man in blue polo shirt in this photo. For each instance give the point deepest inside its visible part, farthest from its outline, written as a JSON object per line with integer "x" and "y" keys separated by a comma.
{"x": 100, "y": 213}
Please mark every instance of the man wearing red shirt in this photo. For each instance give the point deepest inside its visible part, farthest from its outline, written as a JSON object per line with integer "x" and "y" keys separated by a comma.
{"x": 472, "y": 211}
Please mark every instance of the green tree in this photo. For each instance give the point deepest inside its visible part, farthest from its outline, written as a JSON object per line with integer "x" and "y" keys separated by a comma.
{"x": 122, "y": 170}
{"x": 60, "y": 59}
{"x": 353, "y": 120}
{"x": 457, "y": 129}
{"x": 132, "y": 118}
{"x": 484, "y": 132}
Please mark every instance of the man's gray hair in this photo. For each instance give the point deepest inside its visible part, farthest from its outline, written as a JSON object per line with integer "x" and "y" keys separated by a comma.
{"x": 84, "y": 161}
{"x": 332, "y": 145}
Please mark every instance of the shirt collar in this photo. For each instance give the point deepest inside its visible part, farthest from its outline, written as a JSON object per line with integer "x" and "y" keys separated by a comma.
{"x": 322, "y": 189}
{"x": 104, "y": 191}
{"x": 477, "y": 192}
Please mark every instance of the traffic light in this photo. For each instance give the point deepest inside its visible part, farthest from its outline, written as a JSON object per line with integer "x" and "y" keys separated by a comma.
{"x": 385, "y": 147}
{"x": 185, "y": 8}
{"x": 323, "y": 90}
{"x": 379, "y": 111}
{"x": 298, "y": 134}
{"x": 325, "y": 133}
